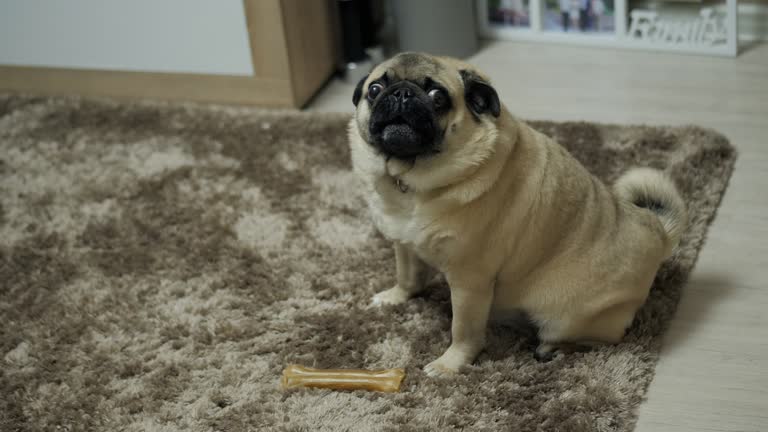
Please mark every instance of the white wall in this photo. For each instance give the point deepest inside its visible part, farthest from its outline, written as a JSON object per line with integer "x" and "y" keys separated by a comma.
{"x": 194, "y": 36}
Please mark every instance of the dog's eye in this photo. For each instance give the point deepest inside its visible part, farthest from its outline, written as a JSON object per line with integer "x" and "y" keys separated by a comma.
{"x": 438, "y": 97}
{"x": 374, "y": 90}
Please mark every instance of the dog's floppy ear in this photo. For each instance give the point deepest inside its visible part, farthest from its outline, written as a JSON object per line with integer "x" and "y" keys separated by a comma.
{"x": 358, "y": 91}
{"x": 480, "y": 96}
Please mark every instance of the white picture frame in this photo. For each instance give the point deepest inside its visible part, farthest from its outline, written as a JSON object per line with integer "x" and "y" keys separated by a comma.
{"x": 619, "y": 38}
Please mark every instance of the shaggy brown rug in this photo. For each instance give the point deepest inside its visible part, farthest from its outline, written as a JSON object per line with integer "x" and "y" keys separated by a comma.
{"x": 161, "y": 264}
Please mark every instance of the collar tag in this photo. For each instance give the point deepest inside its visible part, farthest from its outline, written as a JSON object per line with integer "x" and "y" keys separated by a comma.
{"x": 400, "y": 185}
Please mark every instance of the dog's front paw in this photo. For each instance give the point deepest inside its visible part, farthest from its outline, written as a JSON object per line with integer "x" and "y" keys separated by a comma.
{"x": 439, "y": 369}
{"x": 392, "y": 296}
{"x": 448, "y": 364}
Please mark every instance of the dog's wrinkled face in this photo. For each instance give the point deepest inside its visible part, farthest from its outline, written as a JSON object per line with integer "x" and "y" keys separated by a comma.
{"x": 404, "y": 120}
{"x": 411, "y": 106}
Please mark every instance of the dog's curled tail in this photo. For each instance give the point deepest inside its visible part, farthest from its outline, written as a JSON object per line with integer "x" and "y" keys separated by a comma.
{"x": 652, "y": 189}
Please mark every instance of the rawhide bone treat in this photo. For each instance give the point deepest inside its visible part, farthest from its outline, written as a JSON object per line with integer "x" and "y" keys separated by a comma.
{"x": 387, "y": 380}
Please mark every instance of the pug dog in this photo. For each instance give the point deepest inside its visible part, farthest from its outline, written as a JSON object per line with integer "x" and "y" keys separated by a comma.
{"x": 512, "y": 221}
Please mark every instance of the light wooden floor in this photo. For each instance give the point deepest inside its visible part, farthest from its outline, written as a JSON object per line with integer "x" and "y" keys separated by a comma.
{"x": 713, "y": 373}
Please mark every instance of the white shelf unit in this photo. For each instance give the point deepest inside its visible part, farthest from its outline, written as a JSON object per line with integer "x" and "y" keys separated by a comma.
{"x": 618, "y": 38}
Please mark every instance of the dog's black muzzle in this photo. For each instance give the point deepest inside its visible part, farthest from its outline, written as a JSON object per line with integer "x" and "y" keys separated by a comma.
{"x": 403, "y": 122}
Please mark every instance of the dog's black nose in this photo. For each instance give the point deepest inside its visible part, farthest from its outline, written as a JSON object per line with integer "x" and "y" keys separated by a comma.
{"x": 402, "y": 94}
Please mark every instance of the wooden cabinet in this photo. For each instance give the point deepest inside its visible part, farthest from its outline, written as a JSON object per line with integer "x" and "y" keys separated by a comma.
{"x": 292, "y": 50}
{"x": 292, "y": 41}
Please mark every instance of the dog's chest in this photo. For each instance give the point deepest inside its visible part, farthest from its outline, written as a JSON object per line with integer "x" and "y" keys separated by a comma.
{"x": 394, "y": 212}
{"x": 401, "y": 217}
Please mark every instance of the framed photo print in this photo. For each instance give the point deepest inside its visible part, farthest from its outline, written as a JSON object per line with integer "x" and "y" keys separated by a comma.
{"x": 695, "y": 27}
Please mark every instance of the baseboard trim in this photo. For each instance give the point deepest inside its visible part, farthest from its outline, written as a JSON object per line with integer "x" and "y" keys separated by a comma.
{"x": 230, "y": 89}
